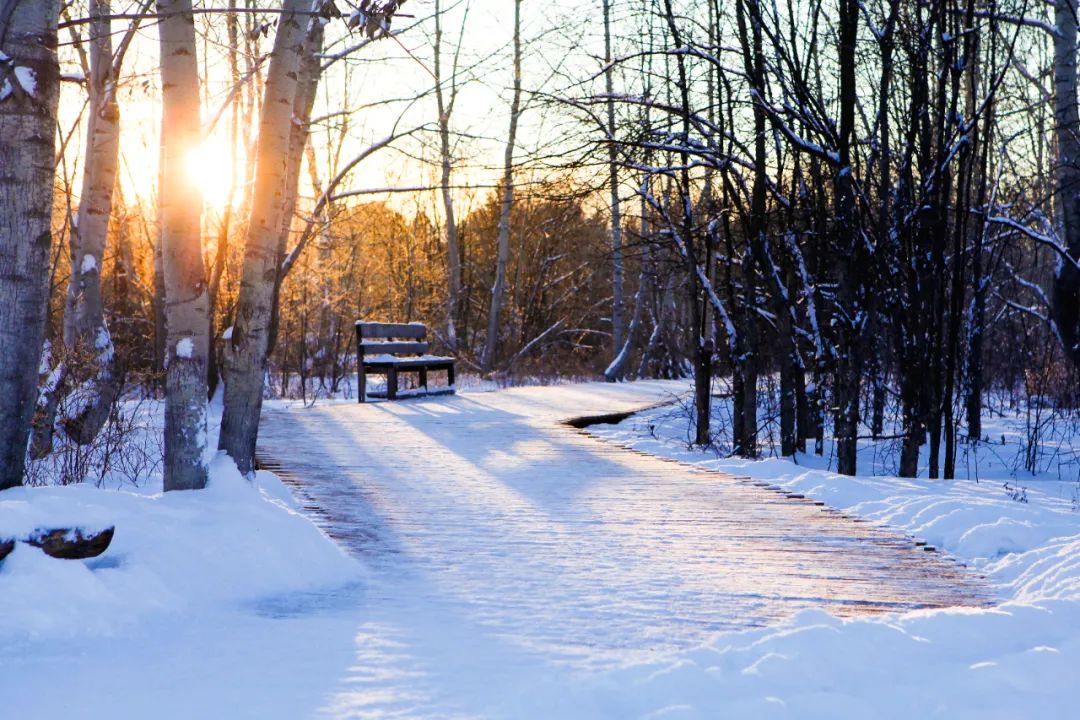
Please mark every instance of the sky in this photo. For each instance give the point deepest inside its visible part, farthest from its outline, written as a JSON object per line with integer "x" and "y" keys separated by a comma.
{"x": 393, "y": 69}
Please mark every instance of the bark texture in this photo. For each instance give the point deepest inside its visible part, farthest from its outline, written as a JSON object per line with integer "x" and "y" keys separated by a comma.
{"x": 1066, "y": 291}
{"x": 246, "y": 353}
{"x": 29, "y": 95}
{"x": 88, "y": 345}
{"x": 186, "y": 300}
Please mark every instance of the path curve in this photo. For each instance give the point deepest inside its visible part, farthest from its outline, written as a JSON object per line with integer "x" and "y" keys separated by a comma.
{"x": 487, "y": 520}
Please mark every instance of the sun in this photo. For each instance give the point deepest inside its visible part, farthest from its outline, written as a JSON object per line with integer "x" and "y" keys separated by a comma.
{"x": 210, "y": 166}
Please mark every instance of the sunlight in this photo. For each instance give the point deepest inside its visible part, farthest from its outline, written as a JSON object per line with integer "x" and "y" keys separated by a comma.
{"x": 210, "y": 165}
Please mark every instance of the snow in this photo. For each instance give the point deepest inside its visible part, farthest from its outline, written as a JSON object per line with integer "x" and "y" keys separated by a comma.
{"x": 387, "y": 358}
{"x": 1010, "y": 660}
{"x": 27, "y": 78}
{"x": 185, "y": 347}
{"x": 230, "y": 600}
{"x": 89, "y": 264}
{"x": 200, "y": 582}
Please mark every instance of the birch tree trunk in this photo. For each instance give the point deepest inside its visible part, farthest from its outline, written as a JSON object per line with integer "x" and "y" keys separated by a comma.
{"x": 498, "y": 290}
{"x": 307, "y": 84}
{"x": 446, "y": 108}
{"x": 186, "y": 300}
{"x": 617, "y": 300}
{"x": 29, "y": 95}
{"x": 1066, "y": 291}
{"x": 245, "y": 355}
{"x": 89, "y": 348}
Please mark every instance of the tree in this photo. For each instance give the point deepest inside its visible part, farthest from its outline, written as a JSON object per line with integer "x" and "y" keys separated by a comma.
{"x": 186, "y": 299}
{"x": 445, "y": 100}
{"x": 29, "y": 96}
{"x": 498, "y": 289}
{"x": 617, "y": 301}
{"x": 1066, "y": 286}
{"x": 246, "y": 351}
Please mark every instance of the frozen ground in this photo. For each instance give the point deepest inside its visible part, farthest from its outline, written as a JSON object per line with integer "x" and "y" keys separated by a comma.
{"x": 509, "y": 571}
{"x": 1019, "y": 529}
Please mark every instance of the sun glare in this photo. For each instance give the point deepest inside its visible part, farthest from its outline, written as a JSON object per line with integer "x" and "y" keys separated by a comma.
{"x": 210, "y": 166}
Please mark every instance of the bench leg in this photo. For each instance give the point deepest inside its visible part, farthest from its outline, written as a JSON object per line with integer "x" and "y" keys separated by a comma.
{"x": 391, "y": 384}
{"x": 361, "y": 382}
{"x": 450, "y": 376}
{"x": 423, "y": 378}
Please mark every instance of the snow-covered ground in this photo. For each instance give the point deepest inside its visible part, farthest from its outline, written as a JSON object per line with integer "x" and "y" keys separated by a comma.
{"x": 1015, "y": 660}
{"x": 217, "y": 603}
{"x": 230, "y": 603}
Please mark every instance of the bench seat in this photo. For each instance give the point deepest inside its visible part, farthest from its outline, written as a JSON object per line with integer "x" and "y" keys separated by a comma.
{"x": 391, "y": 348}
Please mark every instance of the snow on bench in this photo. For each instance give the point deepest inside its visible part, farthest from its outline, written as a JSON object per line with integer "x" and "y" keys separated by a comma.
{"x": 391, "y": 348}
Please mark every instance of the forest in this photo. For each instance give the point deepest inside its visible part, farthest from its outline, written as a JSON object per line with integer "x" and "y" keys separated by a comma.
{"x": 760, "y": 325}
{"x": 867, "y": 210}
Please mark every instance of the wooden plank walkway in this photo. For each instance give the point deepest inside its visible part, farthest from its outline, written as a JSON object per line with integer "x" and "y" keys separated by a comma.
{"x": 548, "y": 540}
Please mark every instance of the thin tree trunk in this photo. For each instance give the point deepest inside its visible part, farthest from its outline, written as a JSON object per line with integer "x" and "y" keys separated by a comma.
{"x": 446, "y": 109}
{"x": 28, "y": 113}
{"x": 617, "y": 300}
{"x": 848, "y": 362}
{"x": 187, "y": 304}
{"x": 498, "y": 290}
{"x": 89, "y": 352}
{"x": 246, "y": 353}
{"x": 299, "y": 131}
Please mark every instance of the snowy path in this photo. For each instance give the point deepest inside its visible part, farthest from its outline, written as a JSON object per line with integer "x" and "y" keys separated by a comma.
{"x": 507, "y": 546}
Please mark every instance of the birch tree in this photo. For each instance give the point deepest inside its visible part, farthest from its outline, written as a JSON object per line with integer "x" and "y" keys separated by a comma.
{"x": 498, "y": 289}
{"x": 89, "y": 364}
{"x": 246, "y": 351}
{"x": 617, "y": 302}
{"x": 445, "y": 99}
{"x": 29, "y": 96}
{"x": 186, "y": 299}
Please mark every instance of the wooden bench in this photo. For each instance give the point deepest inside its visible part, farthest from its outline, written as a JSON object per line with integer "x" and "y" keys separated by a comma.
{"x": 393, "y": 348}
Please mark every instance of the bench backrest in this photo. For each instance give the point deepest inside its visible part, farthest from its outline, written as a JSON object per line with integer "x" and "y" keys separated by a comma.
{"x": 391, "y": 338}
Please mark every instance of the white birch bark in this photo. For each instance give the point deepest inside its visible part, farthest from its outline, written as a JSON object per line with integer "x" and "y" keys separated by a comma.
{"x": 29, "y": 95}
{"x": 186, "y": 299}
{"x": 89, "y": 352}
{"x": 617, "y": 300}
{"x": 498, "y": 290}
{"x": 246, "y": 353}
{"x": 445, "y": 107}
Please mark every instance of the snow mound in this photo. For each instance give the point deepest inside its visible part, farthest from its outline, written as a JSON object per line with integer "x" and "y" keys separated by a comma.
{"x": 233, "y": 542}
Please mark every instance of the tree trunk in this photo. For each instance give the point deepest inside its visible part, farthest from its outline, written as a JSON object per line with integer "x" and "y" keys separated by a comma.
{"x": 491, "y": 345}
{"x": 28, "y": 109}
{"x": 1066, "y": 291}
{"x": 848, "y": 362}
{"x": 187, "y": 304}
{"x": 617, "y": 300}
{"x": 246, "y": 353}
{"x": 299, "y": 130}
{"x": 453, "y": 252}
{"x": 88, "y": 345}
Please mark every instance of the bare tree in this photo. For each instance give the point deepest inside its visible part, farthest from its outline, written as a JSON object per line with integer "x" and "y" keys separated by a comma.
{"x": 1066, "y": 289}
{"x": 29, "y": 95}
{"x": 445, "y": 100}
{"x": 246, "y": 351}
{"x": 186, "y": 300}
{"x": 617, "y": 300}
{"x": 498, "y": 289}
